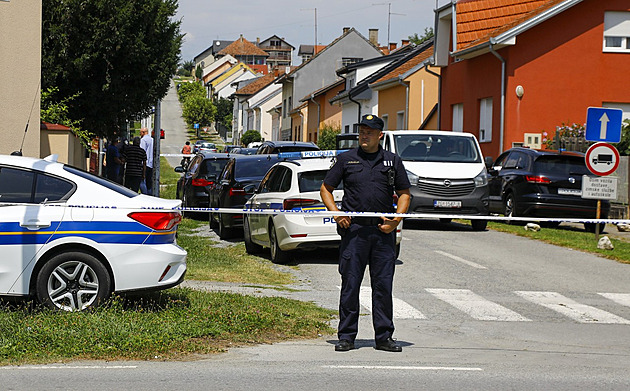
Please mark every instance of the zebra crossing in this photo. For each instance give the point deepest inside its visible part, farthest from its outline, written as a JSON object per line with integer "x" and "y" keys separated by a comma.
{"x": 480, "y": 308}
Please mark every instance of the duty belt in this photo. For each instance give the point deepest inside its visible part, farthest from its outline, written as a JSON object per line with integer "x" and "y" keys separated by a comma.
{"x": 367, "y": 221}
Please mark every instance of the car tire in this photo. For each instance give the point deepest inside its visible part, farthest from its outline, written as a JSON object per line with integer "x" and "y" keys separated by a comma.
{"x": 250, "y": 247}
{"x": 510, "y": 207}
{"x": 445, "y": 221}
{"x": 479, "y": 225}
{"x": 224, "y": 232}
{"x": 73, "y": 281}
{"x": 211, "y": 222}
{"x": 278, "y": 255}
{"x": 590, "y": 227}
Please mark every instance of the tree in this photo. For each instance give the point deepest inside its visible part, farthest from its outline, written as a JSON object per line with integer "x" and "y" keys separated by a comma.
{"x": 624, "y": 145}
{"x": 55, "y": 111}
{"x": 428, "y": 34}
{"x": 198, "y": 72}
{"x": 185, "y": 68}
{"x": 225, "y": 109}
{"x": 198, "y": 110}
{"x": 187, "y": 90}
{"x": 250, "y": 136}
{"x": 328, "y": 137}
{"x": 117, "y": 55}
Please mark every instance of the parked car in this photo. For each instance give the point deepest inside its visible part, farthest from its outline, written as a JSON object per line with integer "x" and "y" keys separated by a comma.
{"x": 194, "y": 186}
{"x": 527, "y": 182}
{"x": 244, "y": 151}
{"x": 446, "y": 170}
{"x": 235, "y": 185}
{"x": 228, "y": 148}
{"x": 347, "y": 140}
{"x": 69, "y": 238}
{"x": 207, "y": 147}
{"x": 293, "y": 185}
{"x": 270, "y": 147}
{"x": 195, "y": 147}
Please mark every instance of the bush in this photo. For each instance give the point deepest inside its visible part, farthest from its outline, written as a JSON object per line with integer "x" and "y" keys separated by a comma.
{"x": 250, "y": 136}
{"x": 328, "y": 137}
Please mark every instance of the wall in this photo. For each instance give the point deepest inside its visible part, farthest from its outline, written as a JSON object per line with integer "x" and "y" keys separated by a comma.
{"x": 20, "y": 62}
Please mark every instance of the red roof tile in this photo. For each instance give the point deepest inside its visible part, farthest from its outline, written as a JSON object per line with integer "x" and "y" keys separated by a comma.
{"x": 407, "y": 66}
{"x": 478, "y": 20}
{"x": 256, "y": 85}
{"x": 242, "y": 47}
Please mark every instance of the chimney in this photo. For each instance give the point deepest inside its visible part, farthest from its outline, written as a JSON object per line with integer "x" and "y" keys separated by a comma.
{"x": 346, "y": 29}
{"x": 373, "y": 35}
{"x": 405, "y": 42}
{"x": 392, "y": 46}
{"x": 241, "y": 38}
{"x": 257, "y": 41}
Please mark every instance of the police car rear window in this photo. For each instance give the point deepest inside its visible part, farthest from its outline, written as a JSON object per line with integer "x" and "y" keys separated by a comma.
{"x": 101, "y": 181}
{"x": 312, "y": 180}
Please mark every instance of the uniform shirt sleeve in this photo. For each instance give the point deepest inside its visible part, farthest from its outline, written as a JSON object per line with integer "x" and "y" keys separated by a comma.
{"x": 335, "y": 174}
{"x": 402, "y": 180}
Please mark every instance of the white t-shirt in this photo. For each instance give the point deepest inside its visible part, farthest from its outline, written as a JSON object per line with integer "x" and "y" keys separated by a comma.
{"x": 146, "y": 143}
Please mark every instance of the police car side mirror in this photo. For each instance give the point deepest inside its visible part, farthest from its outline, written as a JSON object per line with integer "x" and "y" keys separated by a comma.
{"x": 179, "y": 169}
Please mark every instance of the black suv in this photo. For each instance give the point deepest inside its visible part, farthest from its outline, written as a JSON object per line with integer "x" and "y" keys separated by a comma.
{"x": 527, "y": 182}
{"x": 199, "y": 177}
{"x": 236, "y": 184}
{"x": 270, "y": 147}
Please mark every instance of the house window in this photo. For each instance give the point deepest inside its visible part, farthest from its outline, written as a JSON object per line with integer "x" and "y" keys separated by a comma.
{"x": 275, "y": 43}
{"x": 458, "y": 117}
{"x": 385, "y": 118}
{"x": 400, "y": 120}
{"x": 485, "y": 120}
{"x": 284, "y": 108}
{"x": 617, "y": 32}
{"x": 349, "y": 60}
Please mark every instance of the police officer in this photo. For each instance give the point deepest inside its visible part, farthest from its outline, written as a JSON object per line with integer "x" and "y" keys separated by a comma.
{"x": 370, "y": 175}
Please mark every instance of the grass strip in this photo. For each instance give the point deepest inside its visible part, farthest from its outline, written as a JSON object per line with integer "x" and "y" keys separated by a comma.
{"x": 161, "y": 325}
{"x": 576, "y": 240}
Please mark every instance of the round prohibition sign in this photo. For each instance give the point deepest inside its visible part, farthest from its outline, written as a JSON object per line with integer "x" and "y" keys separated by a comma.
{"x": 602, "y": 159}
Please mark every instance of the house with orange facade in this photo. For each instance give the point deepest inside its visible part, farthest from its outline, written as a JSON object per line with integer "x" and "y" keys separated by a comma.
{"x": 513, "y": 70}
{"x": 321, "y": 114}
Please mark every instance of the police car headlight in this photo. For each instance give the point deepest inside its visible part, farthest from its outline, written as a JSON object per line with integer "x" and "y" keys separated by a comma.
{"x": 413, "y": 178}
{"x": 481, "y": 179}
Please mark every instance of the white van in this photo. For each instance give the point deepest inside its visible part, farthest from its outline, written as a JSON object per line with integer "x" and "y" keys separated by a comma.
{"x": 446, "y": 170}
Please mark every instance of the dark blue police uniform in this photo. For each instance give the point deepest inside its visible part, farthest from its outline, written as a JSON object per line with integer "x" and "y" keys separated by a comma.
{"x": 369, "y": 181}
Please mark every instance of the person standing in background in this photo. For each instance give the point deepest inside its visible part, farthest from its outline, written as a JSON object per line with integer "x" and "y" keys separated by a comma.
{"x": 146, "y": 143}
{"x": 114, "y": 163}
{"x": 136, "y": 164}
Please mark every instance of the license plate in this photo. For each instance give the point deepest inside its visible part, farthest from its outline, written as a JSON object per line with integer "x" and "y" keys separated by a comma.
{"x": 575, "y": 192}
{"x": 447, "y": 204}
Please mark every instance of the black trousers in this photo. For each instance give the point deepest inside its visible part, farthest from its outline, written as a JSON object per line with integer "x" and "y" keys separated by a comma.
{"x": 362, "y": 246}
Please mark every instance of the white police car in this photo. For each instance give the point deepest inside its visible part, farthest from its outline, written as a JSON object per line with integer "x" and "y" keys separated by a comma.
{"x": 293, "y": 185}
{"x": 70, "y": 238}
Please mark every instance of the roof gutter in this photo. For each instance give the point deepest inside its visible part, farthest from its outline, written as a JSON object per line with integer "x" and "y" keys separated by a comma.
{"x": 406, "y": 85}
{"x": 439, "y": 102}
{"x": 503, "y": 86}
{"x": 318, "y": 113}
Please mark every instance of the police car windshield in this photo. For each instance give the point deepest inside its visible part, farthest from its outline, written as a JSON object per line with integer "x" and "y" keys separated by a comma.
{"x": 101, "y": 181}
{"x": 437, "y": 148}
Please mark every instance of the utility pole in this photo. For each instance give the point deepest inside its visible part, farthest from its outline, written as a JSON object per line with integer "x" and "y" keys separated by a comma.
{"x": 156, "y": 149}
{"x": 389, "y": 16}
{"x": 313, "y": 9}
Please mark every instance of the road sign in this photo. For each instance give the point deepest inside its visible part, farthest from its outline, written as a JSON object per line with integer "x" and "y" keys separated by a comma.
{"x": 602, "y": 159}
{"x": 599, "y": 188}
{"x": 603, "y": 124}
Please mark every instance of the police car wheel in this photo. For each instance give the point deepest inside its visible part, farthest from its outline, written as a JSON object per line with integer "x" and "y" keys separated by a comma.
{"x": 73, "y": 281}
{"x": 277, "y": 254}
{"x": 250, "y": 247}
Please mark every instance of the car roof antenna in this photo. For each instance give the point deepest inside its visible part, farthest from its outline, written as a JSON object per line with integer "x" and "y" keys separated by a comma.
{"x": 28, "y": 120}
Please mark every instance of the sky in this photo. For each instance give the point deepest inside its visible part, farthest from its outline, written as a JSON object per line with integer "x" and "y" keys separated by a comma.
{"x": 294, "y": 20}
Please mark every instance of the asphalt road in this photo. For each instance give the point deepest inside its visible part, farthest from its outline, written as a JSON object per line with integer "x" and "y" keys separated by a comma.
{"x": 474, "y": 310}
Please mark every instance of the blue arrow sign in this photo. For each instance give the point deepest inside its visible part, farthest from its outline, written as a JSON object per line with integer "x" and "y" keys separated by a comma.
{"x": 603, "y": 124}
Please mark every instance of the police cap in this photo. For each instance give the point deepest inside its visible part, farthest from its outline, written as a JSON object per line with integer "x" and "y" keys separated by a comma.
{"x": 371, "y": 121}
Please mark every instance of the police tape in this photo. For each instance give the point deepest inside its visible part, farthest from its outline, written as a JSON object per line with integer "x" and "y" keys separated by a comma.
{"x": 326, "y": 213}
